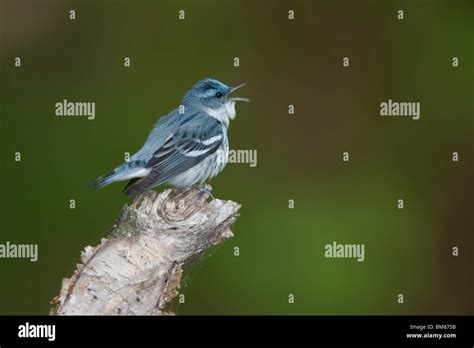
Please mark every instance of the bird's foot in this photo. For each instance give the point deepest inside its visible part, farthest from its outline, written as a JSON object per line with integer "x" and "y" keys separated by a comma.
{"x": 202, "y": 190}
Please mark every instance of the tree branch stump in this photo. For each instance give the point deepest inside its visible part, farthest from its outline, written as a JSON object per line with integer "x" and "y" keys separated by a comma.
{"x": 138, "y": 268}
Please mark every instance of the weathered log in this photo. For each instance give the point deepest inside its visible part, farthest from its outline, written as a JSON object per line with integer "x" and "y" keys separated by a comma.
{"x": 137, "y": 269}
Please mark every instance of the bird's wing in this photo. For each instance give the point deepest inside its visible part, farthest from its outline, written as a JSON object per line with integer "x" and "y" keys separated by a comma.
{"x": 165, "y": 127}
{"x": 190, "y": 144}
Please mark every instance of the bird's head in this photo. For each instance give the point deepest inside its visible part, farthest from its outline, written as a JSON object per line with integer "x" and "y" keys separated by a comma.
{"x": 214, "y": 97}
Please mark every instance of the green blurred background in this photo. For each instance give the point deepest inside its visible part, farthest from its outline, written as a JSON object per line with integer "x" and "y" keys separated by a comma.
{"x": 299, "y": 156}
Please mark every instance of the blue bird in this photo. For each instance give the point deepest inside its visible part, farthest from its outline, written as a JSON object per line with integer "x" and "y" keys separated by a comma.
{"x": 187, "y": 146}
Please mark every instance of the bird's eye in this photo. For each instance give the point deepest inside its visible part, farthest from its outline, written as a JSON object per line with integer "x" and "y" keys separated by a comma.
{"x": 218, "y": 95}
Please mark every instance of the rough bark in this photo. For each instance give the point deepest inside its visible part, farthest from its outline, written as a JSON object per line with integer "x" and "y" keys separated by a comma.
{"x": 137, "y": 269}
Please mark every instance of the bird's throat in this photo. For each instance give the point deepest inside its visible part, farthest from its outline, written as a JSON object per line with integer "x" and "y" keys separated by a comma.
{"x": 224, "y": 114}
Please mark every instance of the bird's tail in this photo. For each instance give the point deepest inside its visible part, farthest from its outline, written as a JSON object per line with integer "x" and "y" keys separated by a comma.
{"x": 104, "y": 180}
{"x": 123, "y": 172}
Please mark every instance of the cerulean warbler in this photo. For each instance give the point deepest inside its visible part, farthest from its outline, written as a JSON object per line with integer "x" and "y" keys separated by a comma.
{"x": 187, "y": 146}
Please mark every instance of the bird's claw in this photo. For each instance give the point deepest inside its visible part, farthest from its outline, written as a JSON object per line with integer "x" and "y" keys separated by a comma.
{"x": 204, "y": 190}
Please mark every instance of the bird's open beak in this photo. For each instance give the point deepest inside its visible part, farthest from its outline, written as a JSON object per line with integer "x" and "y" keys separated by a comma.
{"x": 233, "y": 89}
